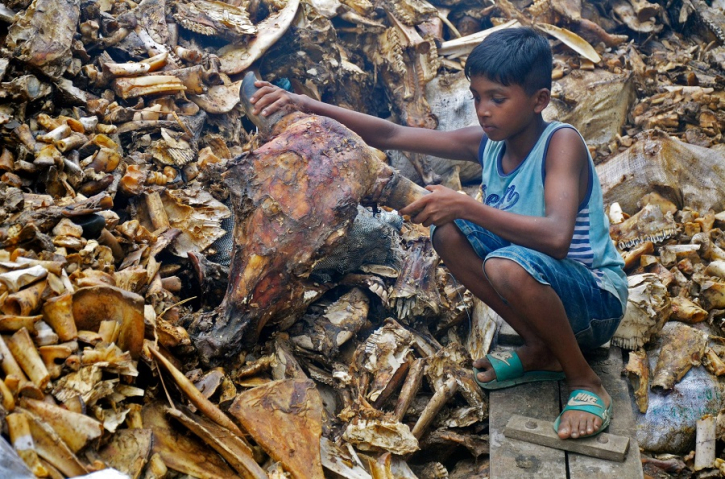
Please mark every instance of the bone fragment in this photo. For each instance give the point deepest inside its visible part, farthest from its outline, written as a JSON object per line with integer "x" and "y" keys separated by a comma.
{"x": 712, "y": 294}
{"x": 58, "y": 312}
{"x": 75, "y": 429}
{"x": 11, "y": 324}
{"x": 55, "y": 267}
{"x": 708, "y": 250}
{"x": 464, "y": 45}
{"x": 683, "y": 309}
{"x": 411, "y": 35}
{"x": 237, "y": 58}
{"x": 638, "y": 369}
{"x": 190, "y": 55}
{"x": 129, "y": 452}
{"x": 52, "y": 353}
{"x": 23, "y": 133}
{"x": 343, "y": 462}
{"x": 279, "y": 416}
{"x": 232, "y": 448}
{"x": 130, "y": 69}
{"x": 9, "y": 365}
{"x": 195, "y": 396}
{"x": 157, "y": 213}
{"x": 705, "y": 443}
{"x": 52, "y": 448}
{"x": 7, "y": 160}
{"x": 72, "y": 142}
{"x": 410, "y": 388}
{"x": 682, "y": 348}
{"x": 439, "y": 399}
{"x": 644, "y": 9}
{"x": 94, "y": 304}
{"x": 218, "y": 98}
{"x": 25, "y": 301}
{"x": 23, "y": 349}
{"x": 63, "y": 131}
{"x": 716, "y": 268}
{"x": 108, "y": 330}
{"x": 22, "y": 441}
{"x": 631, "y": 257}
{"x": 8, "y": 401}
{"x": 132, "y": 87}
{"x": 394, "y": 383}
{"x": 192, "y": 78}
{"x": 18, "y": 279}
{"x": 44, "y": 334}
{"x": 713, "y": 362}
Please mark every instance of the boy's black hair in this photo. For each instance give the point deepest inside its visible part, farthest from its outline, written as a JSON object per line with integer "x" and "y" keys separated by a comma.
{"x": 518, "y": 56}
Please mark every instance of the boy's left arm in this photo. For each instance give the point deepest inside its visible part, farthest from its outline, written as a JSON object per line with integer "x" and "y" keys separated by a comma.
{"x": 564, "y": 187}
{"x": 566, "y": 183}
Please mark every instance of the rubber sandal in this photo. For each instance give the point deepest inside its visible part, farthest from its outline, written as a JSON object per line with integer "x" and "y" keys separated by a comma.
{"x": 587, "y": 401}
{"x": 510, "y": 372}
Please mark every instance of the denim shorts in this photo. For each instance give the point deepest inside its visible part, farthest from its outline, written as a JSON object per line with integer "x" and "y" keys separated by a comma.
{"x": 594, "y": 313}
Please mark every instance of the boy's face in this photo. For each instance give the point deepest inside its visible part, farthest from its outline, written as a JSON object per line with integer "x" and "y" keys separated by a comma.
{"x": 504, "y": 111}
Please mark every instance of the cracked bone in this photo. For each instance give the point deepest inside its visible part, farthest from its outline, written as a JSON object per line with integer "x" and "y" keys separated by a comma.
{"x": 22, "y": 441}
{"x": 195, "y": 396}
{"x": 24, "y": 352}
{"x": 75, "y": 429}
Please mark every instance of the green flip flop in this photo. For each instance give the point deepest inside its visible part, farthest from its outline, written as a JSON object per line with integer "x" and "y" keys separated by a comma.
{"x": 510, "y": 372}
{"x": 587, "y": 401}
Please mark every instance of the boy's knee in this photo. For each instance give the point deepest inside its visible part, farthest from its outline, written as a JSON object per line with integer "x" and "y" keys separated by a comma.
{"x": 506, "y": 277}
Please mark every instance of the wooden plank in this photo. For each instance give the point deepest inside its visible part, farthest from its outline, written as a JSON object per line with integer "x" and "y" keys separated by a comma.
{"x": 604, "y": 446}
{"x": 609, "y": 369}
{"x": 511, "y": 458}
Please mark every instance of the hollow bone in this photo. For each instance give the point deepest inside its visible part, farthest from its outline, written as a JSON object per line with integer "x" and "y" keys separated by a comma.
{"x": 294, "y": 199}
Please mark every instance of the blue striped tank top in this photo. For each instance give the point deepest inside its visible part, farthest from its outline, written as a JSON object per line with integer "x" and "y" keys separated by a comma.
{"x": 522, "y": 192}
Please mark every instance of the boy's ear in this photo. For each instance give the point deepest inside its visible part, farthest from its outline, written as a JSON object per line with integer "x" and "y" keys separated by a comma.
{"x": 541, "y": 99}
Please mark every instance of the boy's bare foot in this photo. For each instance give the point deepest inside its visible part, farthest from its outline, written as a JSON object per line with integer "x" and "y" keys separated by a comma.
{"x": 579, "y": 423}
{"x": 533, "y": 358}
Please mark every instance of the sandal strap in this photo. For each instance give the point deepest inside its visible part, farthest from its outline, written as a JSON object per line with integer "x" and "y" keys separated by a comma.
{"x": 506, "y": 365}
{"x": 586, "y": 401}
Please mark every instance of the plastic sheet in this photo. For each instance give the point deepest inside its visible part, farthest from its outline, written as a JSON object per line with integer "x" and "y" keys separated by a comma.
{"x": 10, "y": 463}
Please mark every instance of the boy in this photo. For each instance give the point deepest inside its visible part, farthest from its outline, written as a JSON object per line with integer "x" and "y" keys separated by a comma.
{"x": 537, "y": 250}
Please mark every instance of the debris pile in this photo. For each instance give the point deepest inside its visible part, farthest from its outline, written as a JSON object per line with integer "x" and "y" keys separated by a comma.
{"x": 132, "y": 184}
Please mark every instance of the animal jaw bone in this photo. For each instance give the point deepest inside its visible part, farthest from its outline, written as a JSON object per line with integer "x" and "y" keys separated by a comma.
{"x": 214, "y": 19}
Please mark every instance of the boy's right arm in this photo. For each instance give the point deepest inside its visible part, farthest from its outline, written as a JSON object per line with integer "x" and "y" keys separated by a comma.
{"x": 461, "y": 144}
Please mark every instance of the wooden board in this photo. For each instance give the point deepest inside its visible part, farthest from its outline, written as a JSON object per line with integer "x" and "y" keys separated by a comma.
{"x": 511, "y": 458}
{"x": 603, "y": 446}
{"x": 609, "y": 369}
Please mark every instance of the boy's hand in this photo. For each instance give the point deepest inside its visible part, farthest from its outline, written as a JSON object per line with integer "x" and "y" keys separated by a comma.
{"x": 442, "y": 206}
{"x": 270, "y": 98}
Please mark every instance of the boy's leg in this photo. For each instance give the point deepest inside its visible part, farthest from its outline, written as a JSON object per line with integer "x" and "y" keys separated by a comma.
{"x": 550, "y": 343}
{"x": 467, "y": 267}
{"x": 542, "y": 310}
